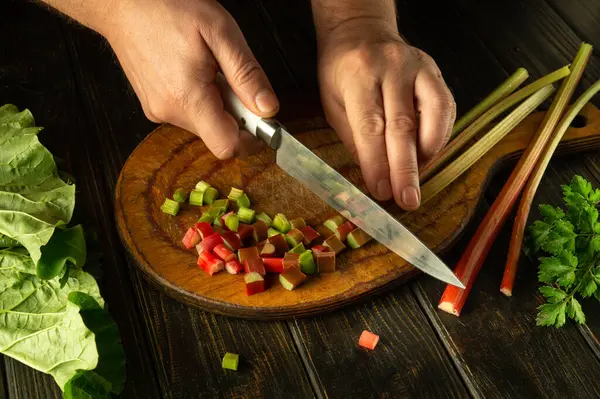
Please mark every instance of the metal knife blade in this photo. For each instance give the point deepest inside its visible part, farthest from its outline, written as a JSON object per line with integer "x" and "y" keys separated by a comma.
{"x": 302, "y": 164}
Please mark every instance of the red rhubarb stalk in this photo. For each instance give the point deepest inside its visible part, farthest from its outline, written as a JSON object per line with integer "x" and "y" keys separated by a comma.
{"x": 468, "y": 266}
{"x": 518, "y": 233}
{"x": 273, "y": 265}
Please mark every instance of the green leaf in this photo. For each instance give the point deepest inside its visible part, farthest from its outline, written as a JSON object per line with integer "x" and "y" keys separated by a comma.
{"x": 553, "y": 295}
{"x": 551, "y": 314}
{"x": 550, "y": 213}
{"x": 87, "y": 385}
{"x": 539, "y": 232}
{"x": 558, "y": 269}
{"x": 33, "y": 198}
{"x": 64, "y": 246}
{"x": 575, "y": 311}
{"x": 588, "y": 286}
{"x": 555, "y": 242}
{"x": 567, "y": 279}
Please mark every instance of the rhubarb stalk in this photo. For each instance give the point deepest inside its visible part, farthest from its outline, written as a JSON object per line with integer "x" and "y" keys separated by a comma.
{"x": 473, "y": 154}
{"x": 506, "y": 88}
{"x": 480, "y": 123}
{"x": 518, "y": 232}
{"x": 454, "y": 298}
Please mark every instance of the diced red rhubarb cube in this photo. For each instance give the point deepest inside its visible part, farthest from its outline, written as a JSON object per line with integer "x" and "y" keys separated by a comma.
{"x": 248, "y": 253}
{"x": 267, "y": 251}
{"x": 231, "y": 241}
{"x": 233, "y": 266}
{"x": 259, "y": 230}
{"x": 204, "y": 229}
{"x": 311, "y": 236}
{"x": 210, "y": 242}
{"x": 244, "y": 231}
{"x": 343, "y": 230}
{"x": 223, "y": 217}
{"x": 291, "y": 260}
{"x": 255, "y": 283}
{"x": 273, "y": 265}
{"x": 255, "y": 265}
{"x": 191, "y": 238}
{"x": 281, "y": 245}
{"x": 224, "y": 253}
{"x": 320, "y": 248}
{"x": 210, "y": 263}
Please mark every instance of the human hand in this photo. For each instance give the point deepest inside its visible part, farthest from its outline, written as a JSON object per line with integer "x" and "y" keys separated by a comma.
{"x": 171, "y": 50}
{"x": 388, "y": 103}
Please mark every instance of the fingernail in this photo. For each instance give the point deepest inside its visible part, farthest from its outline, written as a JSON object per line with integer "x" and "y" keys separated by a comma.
{"x": 266, "y": 101}
{"x": 410, "y": 197}
{"x": 384, "y": 189}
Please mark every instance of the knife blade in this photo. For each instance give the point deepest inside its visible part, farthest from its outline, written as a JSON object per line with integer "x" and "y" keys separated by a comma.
{"x": 325, "y": 182}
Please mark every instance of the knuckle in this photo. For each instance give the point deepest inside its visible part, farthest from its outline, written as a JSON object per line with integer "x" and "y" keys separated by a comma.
{"x": 248, "y": 71}
{"x": 360, "y": 57}
{"x": 405, "y": 169}
{"x": 372, "y": 125}
{"x": 445, "y": 103}
{"x": 158, "y": 110}
{"x": 401, "y": 126}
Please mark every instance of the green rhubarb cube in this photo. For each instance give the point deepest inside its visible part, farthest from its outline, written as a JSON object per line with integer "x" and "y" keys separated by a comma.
{"x": 230, "y": 361}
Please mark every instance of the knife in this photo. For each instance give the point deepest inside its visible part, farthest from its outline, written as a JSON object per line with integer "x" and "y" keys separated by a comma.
{"x": 302, "y": 164}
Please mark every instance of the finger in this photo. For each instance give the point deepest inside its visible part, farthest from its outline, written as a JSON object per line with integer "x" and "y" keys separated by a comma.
{"x": 242, "y": 71}
{"x": 437, "y": 113}
{"x": 364, "y": 108}
{"x": 337, "y": 119}
{"x": 205, "y": 116}
{"x": 401, "y": 136}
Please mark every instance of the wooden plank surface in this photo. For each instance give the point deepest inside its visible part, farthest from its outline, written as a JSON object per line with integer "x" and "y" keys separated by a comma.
{"x": 187, "y": 345}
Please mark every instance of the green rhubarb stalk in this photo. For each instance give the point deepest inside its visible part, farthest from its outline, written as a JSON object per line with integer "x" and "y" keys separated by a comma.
{"x": 180, "y": 195}
{"x": 222, "y": 204}
{"x": 210, "y": 195}
{"x": 201, "y": 186}
{"x": 438, "y": 182}
{"x": 170, "y": 207}
{"x": 239, "y": 197}
{"x": 196, "y": 197}
{"x": 217, "y": 220}
{"x": 232, "y": 222}
{"x": 484, "y": 120}
{"x": 230, "y": 361}
{"x": 506, "y": 88}
{"x": 272, "y": 232}
{"x": 307, "y": 263}
{"x": 298, "y": 249}
{"x": 265, "y": 218}
{"x": 281, "y": 223}
{"x": 246, "y": 215}
{"x": 357, "y": 238}
{"x": 206, "y": 217}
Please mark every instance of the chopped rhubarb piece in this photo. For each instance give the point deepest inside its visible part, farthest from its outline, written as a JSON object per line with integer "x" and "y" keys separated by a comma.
{"x": 311, "y": 236}
{"x": 268, "y": 250}
{"x": 344, "y": 229}
{"x": 202, "y": 186}
{"x": 196, "y": 197}
{"x": 246, "y": 215}
{"x": 281, "y": 246}
{"x": 244, "y": 231}
{"x": 307, "y": 263}
{"x": 335, "y": 222}
{"x": 231, "y": 241}
{"x": 206, "y": 217}
{"x": 233, "y": 266}
{"x": 321, "y": 248}
{"x": 298, "y": 249}
{"x": 368, "y": 340}
{"x": 265, "y": 218}
{"x": 273, "y": 265}
{"x": 191, "y": 238}
{"x": 239, "y": 197}
{"x": 334, "y": 244}
{"x": 324, "y": 231}
{"x": 199, "y": 248}
{"x": 210, "y": 263}
{"x": 204, "y": 229}
{"x": 291, "y": 260}
{"x": 254, "y": 265}
{"x": 255, "y": 283}
{"x": 223, "y": 252}
{"x": 281, "y": 223}
{"x": 294, "y": 237}
{"x": 180, "y": 195}
{"x": 298, "y": 223}
{"x": 222, "y": 204}
{"x": 220, "y": 230}
{"x": 170, "y": 207}
{"x": 357, "y": 238}
{"x": 272, "y": 232}
{"x": 260, "y": 230}
{"x": 210, "y": 242}
{"x": 291, "y": 278}
{"x": 210, "y": 195}
{"x": 325, "y": 261}
{"x": 248, "y": 253}
{"x": 260, "y": 245}
{"x": 230, "y": 361}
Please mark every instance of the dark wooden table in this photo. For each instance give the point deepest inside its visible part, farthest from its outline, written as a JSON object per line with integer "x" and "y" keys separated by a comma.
{"x": 72, "y": 83}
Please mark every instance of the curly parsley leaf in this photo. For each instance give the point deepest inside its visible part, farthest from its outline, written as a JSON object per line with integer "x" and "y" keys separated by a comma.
{"x": 551, "y": 314}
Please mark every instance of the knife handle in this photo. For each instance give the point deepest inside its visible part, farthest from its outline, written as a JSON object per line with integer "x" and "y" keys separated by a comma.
{"x": 269, "y": 130}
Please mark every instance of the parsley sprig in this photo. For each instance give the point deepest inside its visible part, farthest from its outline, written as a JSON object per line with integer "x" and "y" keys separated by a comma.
{"x": 567, "y": 243}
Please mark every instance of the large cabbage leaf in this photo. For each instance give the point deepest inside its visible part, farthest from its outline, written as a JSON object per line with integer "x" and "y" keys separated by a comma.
{"x": 34, "y": 200}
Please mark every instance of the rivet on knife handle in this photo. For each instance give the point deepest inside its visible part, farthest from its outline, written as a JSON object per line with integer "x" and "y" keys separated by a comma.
{"x": 269, "y": 130}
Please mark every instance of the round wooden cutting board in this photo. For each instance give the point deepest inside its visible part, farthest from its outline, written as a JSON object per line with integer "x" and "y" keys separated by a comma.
{"x": 170, "y": 158}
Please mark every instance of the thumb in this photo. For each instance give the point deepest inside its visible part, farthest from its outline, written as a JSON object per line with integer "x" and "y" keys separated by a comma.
{"x": 242, "y": 71}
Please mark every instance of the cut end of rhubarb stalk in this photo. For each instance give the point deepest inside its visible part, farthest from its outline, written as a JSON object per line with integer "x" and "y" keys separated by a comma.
{"x": 506, "y": 291}
{"x": 448, "y": 307}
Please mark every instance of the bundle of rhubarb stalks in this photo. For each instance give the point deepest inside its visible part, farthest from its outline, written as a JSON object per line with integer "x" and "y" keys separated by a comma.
{"x": 525, "y": 177}
{"x": 230, "y": 236}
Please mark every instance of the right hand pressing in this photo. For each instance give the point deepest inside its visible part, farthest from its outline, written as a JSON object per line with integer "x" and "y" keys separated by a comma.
{"x": 171, "y": 50}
